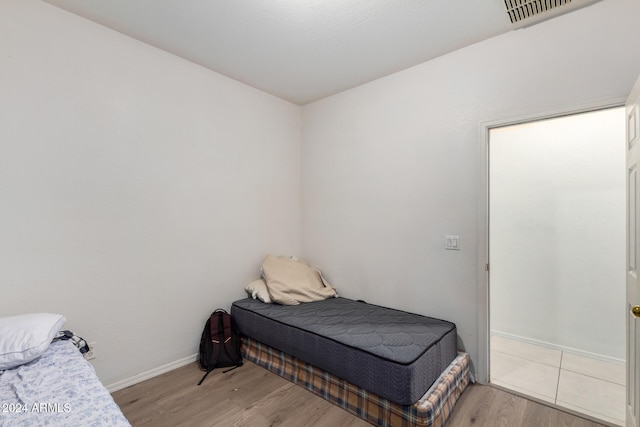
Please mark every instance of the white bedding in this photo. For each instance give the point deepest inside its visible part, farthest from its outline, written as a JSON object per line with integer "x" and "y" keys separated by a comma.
{"x": 58, "y": 389}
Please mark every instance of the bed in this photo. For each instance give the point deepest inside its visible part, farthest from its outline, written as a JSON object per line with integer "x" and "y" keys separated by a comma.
{"x": 432, "y": 409}
{"x": 389, "y": 367}
{"x": 52, "y": 383}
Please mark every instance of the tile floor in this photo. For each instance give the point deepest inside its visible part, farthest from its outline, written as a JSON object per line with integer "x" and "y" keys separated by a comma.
{"x": 585, "y": 385}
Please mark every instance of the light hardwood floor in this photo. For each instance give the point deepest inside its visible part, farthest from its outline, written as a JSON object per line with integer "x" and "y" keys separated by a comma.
{"x": 253, "y": 396}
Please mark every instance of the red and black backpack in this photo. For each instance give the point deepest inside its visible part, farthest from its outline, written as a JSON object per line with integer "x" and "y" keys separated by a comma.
{"x": 219, "y": 344}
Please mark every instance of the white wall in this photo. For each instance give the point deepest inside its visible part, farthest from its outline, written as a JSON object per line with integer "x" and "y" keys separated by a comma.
{"x": 392, "y": 166}
{"x": 138, "y": 191}
{"x": 557, "y": 244}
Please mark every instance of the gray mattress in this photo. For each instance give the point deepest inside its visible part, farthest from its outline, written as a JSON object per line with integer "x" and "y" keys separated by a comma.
{"x": 394, "y": 354}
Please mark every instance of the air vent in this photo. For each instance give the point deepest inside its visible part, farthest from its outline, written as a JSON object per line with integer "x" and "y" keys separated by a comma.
{"x": 523, "y": 13}
{"x": 524, "y": 9}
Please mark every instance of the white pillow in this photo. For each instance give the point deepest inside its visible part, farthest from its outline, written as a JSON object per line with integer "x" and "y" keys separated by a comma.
{"x": 258, "y": 289}
{"x": 24, "y": 338}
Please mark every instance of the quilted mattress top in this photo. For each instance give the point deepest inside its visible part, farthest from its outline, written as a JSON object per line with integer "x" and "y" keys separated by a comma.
{"x": 387, "y": 333}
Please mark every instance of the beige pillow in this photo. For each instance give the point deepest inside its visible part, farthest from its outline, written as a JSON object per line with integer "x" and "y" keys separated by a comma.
{"x": 292, "y": 281}
{"x": 258, "y": 289}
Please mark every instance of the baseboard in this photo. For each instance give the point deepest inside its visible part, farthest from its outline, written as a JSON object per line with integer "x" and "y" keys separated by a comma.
{"x": 559, "y": 347}
{"x": 119, "y": 385}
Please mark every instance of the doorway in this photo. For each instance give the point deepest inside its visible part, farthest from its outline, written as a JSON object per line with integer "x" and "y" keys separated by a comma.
{"x": 557, "y": 258}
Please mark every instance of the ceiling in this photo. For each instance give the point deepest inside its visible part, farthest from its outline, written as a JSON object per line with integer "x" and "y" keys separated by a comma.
{"x": 301, "y": 50}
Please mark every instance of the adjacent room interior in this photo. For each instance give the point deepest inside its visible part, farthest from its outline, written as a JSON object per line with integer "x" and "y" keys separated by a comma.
{"x": 557, "y": 251}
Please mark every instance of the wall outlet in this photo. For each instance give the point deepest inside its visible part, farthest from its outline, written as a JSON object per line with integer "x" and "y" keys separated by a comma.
{"x": 91, "y": 354}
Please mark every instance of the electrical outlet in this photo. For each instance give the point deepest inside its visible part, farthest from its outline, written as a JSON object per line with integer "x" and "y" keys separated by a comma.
{"x": 91, "y": 354}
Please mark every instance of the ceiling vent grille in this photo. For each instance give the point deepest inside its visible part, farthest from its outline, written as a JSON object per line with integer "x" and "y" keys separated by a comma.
{"x": 523, "y": 13}
{"x": 524, "y": 9}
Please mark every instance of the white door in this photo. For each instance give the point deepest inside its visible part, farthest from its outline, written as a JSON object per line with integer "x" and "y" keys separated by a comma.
{"x": 633, "y": 250}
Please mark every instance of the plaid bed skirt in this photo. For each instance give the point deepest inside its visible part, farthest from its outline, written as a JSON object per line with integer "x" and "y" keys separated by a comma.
{"x": 433, "y": 409}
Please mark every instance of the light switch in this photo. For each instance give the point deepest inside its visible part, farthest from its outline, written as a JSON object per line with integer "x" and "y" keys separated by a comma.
{"x": 452, "y": 242}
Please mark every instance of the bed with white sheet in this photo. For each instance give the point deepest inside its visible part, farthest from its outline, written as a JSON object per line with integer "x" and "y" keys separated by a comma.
{"x": 49, "y": 383}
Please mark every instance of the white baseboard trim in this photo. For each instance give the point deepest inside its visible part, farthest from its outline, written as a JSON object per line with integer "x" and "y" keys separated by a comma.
{"x": 143, "y": 376}
{"x": 559, "y": 347}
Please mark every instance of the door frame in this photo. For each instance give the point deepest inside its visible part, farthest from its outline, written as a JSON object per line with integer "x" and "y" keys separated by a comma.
{"x": 482, "y": 365}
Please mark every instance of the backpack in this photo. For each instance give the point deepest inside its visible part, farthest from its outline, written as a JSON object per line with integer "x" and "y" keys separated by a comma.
{"x": 219, "y": 344}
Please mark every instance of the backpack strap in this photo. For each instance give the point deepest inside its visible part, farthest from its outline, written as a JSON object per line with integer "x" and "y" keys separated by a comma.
{"x": 226, "y": 334}
{"x": 217, "y": 331}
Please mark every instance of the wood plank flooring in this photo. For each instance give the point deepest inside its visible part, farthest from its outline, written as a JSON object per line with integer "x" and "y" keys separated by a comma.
{"x": 253, "y": 396}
